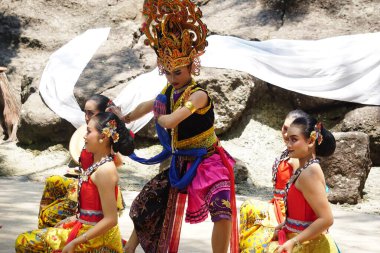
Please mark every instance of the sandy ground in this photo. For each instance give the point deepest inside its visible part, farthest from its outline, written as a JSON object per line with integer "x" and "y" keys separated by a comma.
{"x": 355, "y": 229}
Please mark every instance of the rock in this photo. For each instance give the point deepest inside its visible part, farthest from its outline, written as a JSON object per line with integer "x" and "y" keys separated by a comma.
{"x": 301, "y": 101}
{"x": 346, "y": 171}
{"x": 240, "y": 171}
{"x": 38, "y": 124}
{"x": 230, "y": 90}
{"x": 270, "y": 19}
{"x": 17, "y": 161}
{"x": 367, "y": 120}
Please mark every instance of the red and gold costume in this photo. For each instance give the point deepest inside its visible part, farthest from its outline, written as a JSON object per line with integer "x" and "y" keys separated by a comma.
{"x": 89, "y": 213}
{"x": 299, "y": 215}
{"x": 59, "y": 198}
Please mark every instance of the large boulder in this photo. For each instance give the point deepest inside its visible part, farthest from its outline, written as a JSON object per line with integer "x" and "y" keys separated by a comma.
{"x": 15, "y": 160}
{"x": 347, "y": 170}
{"x": 38, "y": 124}
{"x": 231, "y": 91}
{"x": 367, "y": 120}
{"x": 301, "y": 19}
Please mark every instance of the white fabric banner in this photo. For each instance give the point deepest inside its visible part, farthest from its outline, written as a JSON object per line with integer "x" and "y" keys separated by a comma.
{"x": 345, "y": 68}
{"x": 63, "y": 70}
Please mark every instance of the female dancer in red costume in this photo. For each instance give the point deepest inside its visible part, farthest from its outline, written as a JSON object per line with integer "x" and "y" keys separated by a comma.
{"x": 308, "y": 212}
{"x": 94, "y": 229}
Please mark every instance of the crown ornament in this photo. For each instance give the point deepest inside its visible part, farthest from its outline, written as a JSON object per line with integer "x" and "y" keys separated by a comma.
{"x": 175, "y": 31}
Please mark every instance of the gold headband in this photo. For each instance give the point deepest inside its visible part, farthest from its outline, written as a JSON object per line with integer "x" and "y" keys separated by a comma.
{"x": 174, "y": 29}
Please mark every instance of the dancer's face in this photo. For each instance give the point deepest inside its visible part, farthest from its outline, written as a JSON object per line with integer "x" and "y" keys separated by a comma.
{"x": 179, "y": 77}
{"x": 298, "y": 145}
{"x": 92, "y": 137}
{"x": 90, "y": 110}
{"x": 285, "y": 127}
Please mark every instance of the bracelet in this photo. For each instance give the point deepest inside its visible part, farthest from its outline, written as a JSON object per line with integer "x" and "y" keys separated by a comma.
{"x": 85, "y": 237}
{"x": 296, "y": 242}
{"x": 189, "y": 105}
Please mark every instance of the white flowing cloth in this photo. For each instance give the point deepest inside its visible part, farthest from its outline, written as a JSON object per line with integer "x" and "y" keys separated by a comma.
{"x": 345, "y": 68}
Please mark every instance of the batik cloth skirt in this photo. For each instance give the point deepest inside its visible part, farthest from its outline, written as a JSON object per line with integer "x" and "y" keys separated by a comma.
{"x": 257, "y": 224}
{"x": 153, "y": 210}
{"x": 322, "y": 244}
{"x": 54, "y": 239}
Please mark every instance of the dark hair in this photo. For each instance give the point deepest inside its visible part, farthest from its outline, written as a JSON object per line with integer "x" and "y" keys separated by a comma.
{"x": 125, "y": 145}
{"x": 308, "y": 123}
{"x": 102, "y": 102}
{"x": 297, "y": 113}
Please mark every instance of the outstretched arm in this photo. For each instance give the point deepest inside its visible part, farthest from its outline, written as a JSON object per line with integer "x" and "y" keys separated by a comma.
{"x": 197, "y": 100}
{"x": 142, "y": 109}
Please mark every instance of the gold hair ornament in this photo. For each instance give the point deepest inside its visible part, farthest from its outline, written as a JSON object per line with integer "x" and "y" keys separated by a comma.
{"x": 317, "y": 133}
{"x": 175, "y": 31}
{"x": 110, "y": 130}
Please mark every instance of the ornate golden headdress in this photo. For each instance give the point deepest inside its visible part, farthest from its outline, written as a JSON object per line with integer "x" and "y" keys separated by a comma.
{"x": 174, "y": 29}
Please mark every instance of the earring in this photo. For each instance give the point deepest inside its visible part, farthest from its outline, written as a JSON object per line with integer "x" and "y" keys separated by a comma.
{"x": 100, "y": 140}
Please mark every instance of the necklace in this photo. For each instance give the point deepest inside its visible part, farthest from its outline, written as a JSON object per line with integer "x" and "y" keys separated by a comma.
{"x": 87, "y": 173}
{"x": 183, "y": 88}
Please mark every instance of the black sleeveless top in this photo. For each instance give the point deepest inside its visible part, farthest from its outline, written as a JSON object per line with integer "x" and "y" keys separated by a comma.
{"x": 196, "y": 131}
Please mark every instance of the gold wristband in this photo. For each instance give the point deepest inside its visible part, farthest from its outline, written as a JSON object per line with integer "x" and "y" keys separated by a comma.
{"x": 189, "y": 105}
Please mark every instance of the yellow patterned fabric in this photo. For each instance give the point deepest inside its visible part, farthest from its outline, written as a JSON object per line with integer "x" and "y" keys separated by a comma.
{"x": 257, "y": 223}
{"x": 322, "y": 244}
{"x": 59, "y": 200}
{"x": 54, "y": 239}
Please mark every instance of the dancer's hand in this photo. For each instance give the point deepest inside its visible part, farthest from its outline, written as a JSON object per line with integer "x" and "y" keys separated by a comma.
{"x": 116, "y": 110}
{"x": 69, "y": 248}
{"x": 287, "y": 247}
{"x": 67, "y": 220}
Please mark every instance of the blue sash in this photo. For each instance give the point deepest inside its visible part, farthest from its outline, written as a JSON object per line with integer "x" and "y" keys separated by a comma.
{"x": 174, "y": 177}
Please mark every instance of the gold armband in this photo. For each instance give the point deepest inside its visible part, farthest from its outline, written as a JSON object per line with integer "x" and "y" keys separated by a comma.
{"x": 189, "y": 105}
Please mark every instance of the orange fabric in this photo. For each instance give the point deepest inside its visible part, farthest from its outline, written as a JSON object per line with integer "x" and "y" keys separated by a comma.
{"x": 284, "y": 172}
{"x": 278, "y": 210}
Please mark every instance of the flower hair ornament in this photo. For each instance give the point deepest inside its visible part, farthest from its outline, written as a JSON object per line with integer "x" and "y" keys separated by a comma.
{"x": 110, "y": 130}
{"x": 175, "y": 31}
{"x": 317, "y": 133}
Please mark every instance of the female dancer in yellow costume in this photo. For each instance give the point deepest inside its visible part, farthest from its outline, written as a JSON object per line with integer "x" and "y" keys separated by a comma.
{"x": 94, "y": 229}
{"x": 258, "y": 219}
